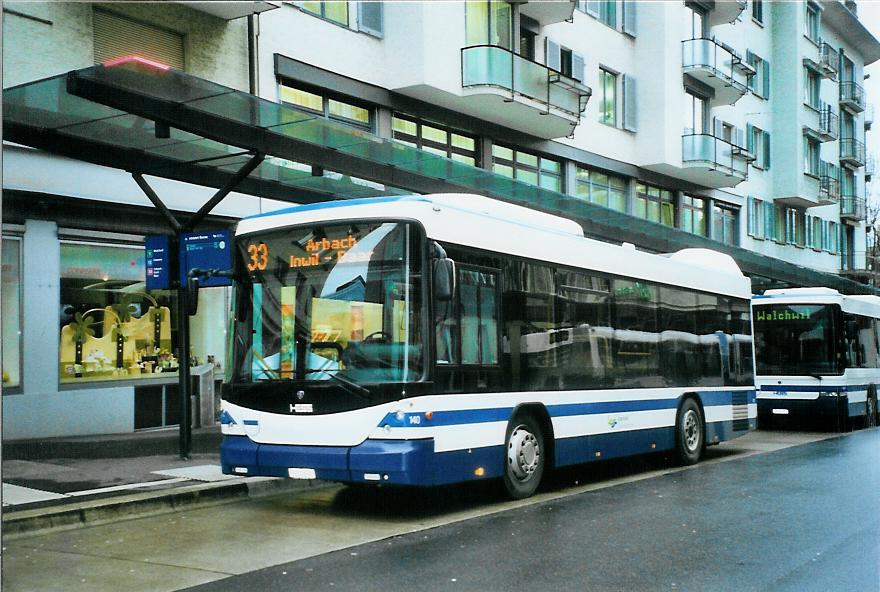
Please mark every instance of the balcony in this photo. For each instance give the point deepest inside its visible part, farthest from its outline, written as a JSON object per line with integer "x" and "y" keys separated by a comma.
{"x": 229, "y": 11}
{"x": 829, "y": 58}
{"x": 829, "y": 124}
{"x": 829, "y": 183}
{"x": 852, "y": 208}
{"x": 852, "y": 152}
{"x": 504, "y": 87}
{"x": 547, "y": 13}
{"x": 714, "y": 162}
{"x": 869, "y": 116}
{"x": 726, "y": 11}
{"x": 852, "y": 97}
{"x": 861, "y": 265}
{"x": 870, "y": 165}
{"x": 716, "y": 66}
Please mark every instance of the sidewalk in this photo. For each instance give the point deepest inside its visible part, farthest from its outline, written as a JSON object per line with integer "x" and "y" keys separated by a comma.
{"x": 69, "y": 482}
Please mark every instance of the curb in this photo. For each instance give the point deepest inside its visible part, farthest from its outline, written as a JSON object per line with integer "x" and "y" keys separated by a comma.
{"x": 92, "y": 512}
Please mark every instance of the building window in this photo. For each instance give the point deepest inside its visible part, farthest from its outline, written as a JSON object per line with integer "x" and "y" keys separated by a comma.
{"x": 847, "y": 182}
{"x": 696, "y": 113}
{"x": 436, "y": 139}
{"x": 489, "y": 22}
{"x": 795, "y": 225}
{"x": 811, "y": 22}
{"x": 654, "y": 204}
{"x": 608, "y": 12}
{"x": 811, "y": 87}
{"x": 758, "y": 144}
{"x": 693, "y": 214}
{"x": 811, "y": 156}
{"x": 526, "y": 167}
{"x": 759, "y": 83}
{"x": 331, "y": 108}
{"x": 335, "y": 10}
{"x": 756, "y": 217}
{"x": 601, "y": 189}
{"x": 698, "y": 22}
{"x": 758, "y": 10}
{"x": 815, "y": 238}
{"x": 117, "y": 36}
{"x": 780, "y": 223}
{"x": 832, "y": 238}
{"x": 607, "y": 97}
{"x": 10, "y": 311}
{"x": 724, "y": 226}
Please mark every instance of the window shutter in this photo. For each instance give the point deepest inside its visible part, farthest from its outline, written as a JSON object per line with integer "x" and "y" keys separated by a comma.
{"x": 370, "y": 18}
{"x": 577, "y": 66}
{"x": 738, "y": 139}
{"x": 629, "y": 17}
{"x": 629, "y": 103}
{"x": 116, "y": 36}
{"x": 750, "y": 141}
{"x": 766, "y": 150}
{"x": 765, "y": 88}
{"x": 593, "y": 8}
{"x": 553, "y": 55}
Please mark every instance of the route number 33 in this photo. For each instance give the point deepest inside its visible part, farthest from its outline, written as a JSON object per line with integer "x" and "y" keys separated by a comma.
{"x": 259, "y": 257}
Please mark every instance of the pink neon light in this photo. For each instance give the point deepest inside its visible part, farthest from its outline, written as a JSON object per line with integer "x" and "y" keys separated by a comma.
{"x": 138, "y": 59}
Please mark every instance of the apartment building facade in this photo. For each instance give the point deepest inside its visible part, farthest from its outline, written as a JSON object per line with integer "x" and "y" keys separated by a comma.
{"x": 743, "y": 122}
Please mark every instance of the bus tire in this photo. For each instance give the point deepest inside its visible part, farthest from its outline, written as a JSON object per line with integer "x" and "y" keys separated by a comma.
{"x": 690, "y": 433}
{"x": 524, "y": 457}
{"x": 871, "y": 407}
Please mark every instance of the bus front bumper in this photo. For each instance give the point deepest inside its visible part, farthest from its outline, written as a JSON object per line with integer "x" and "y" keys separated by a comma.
{"x": 402, "y": 462}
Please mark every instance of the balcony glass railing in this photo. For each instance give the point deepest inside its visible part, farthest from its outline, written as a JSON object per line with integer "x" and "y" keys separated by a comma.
{"x": 707, "y": 54}
{"x": 490, "y": 65}
{"x": 852, "y": 207}
{"x": 852, "y": 95}
{"x": 852, "y": 151}
{"x": 715, "y": 153}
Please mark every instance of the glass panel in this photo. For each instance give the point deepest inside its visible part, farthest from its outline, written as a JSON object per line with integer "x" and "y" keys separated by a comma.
{"x": 405, "y": 126}
{"x": 526, "y": 176}
{"x": 477, "y": 22}
{"x": 796, "y": 339}
{"x": 10, "y": 309}
{"x": 502, "y": 169}
{"x": 502, "y": 152}
{"x": 111, "y": 327}
{"x": 527, "y": 159}
{"x": 337, "y": 11}
{"x": 501, "y": 24}
{"x": 463, "y": 142}
{"x": 434, "y": 134}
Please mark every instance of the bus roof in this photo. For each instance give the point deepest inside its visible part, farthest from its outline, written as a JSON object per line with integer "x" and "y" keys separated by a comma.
{"x": 488, "y": 224}
{"x": 861, "y": 304}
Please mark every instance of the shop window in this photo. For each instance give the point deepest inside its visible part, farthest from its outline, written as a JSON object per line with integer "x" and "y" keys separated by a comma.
{"x": 10, "y": 311}
{"x": 654, "y": 204}
{"x": 436, "y": 139}
{"x": 326, "y": 106}
{"x": 601, "y": 189}
{"x": 116, "y": 36}
{"x": 526, "y": 167}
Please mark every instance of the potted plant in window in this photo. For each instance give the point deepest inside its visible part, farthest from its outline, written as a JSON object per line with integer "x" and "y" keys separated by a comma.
{"x": 120, "y": 333}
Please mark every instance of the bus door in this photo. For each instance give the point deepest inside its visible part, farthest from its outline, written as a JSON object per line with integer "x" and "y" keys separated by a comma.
{"x": 468, "y": 356}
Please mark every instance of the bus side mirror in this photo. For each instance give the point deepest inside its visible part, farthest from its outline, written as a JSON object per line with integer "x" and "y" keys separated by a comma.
{"x": 444, "y": 279}
{"x": 192, "y": 295}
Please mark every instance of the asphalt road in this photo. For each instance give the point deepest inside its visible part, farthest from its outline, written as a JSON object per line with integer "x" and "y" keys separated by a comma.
{"x": 798, "y": 519}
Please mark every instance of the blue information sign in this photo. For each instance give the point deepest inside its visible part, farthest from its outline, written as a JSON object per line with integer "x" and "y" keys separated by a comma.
{"x": 206, "y": 250}
{"x": 158, "y": 261}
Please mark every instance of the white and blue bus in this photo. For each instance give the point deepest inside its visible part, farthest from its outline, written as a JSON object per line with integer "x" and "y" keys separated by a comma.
{"x": 816, "y": 356}
{"x": 427, "y": 340}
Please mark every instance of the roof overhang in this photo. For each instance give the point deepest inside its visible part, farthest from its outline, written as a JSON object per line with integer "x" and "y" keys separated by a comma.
{"x": 149, "y": 119}
{"x": 229, "y": 11}
{"x": 857, "y": 35}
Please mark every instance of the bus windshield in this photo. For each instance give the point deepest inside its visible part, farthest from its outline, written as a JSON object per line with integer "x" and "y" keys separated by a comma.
{"x": 796, "y": 339}
{"x": 336, "y": 303}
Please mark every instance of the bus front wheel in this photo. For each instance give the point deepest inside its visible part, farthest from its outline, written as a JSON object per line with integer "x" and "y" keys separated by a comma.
{"x": 524, "y": 457}
{"x": 689, "y": 433}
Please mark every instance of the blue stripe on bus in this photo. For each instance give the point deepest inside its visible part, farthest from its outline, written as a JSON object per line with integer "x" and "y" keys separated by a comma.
{"x": 813, "y": 388}
{"x": 472, "y": 416}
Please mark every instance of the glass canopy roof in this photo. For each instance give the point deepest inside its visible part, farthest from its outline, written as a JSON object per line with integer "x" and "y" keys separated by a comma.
{"x": 150, "y": 119}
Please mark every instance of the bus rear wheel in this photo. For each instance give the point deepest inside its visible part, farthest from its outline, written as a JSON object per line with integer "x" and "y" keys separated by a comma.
{"x": 690, "y": 433}
{"x": 524, "y": 457}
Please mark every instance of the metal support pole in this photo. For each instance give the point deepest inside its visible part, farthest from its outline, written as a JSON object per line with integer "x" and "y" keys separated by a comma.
{"x": 183, "y": 370}
{"x": 151, "y": 195}
{"x": 237, "y": 178}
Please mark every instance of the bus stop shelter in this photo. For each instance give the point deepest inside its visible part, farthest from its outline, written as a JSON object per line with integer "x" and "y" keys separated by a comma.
{"x": 150, "y": 120}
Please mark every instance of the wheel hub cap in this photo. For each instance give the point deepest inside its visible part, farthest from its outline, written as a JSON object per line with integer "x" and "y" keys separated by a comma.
{"x": 691, "y": 430}
{"x": 523, "y": 453}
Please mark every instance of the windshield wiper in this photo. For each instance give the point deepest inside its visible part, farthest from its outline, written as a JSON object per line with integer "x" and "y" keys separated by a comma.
{"x": 351, "y": 387}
